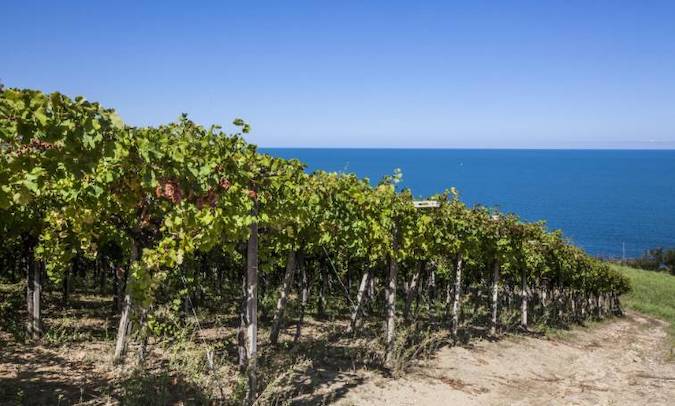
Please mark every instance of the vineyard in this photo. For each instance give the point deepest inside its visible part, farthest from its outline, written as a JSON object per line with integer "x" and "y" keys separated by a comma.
{"x": 181, "y": 230}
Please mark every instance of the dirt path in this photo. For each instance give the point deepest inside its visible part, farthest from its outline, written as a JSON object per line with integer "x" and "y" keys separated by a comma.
{"x": 620, "y": 362}
{"x": 617, "y": 363}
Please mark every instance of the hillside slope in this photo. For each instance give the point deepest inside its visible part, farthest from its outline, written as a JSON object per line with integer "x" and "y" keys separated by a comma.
{"x": 652, "y": 293}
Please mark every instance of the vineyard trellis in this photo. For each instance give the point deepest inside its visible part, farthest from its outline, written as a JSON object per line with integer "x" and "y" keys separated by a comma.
{"x": 164, "y": 212}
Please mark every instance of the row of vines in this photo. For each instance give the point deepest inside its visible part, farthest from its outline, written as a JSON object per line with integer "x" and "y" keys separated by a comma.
{"x": 159, "y": 215}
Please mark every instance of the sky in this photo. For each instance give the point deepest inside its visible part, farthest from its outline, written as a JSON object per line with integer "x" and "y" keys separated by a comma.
{"x": 474, "y": 74}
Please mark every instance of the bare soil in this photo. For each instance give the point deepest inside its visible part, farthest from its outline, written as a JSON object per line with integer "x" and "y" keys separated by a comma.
{"x": 624, "y": 361}
{"x": 621, "y": 362}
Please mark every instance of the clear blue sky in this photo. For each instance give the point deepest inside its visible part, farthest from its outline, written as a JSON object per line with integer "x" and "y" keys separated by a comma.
{"x": 568, "y": 74}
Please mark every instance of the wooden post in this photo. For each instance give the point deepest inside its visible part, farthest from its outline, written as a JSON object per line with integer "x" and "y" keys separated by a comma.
{"x": 123, "y": 328}
{"x": 283, "y": 297}
{"x": 37, "y": 294}
{"x": 391, "y": 302}
{"x": 321, "y": 304}
{"x": 252, "y": 308}
{"x": 431, "y": 282}
{"x": 360, "y": 298}
{"x": 30, "y": 278}
{"x": 582, "y": 305}
{"x": 410, "y": 290}
{"x": 448, "y": 296}
{"x": 598, "y": 306}
{"x": 523, "y": 304}
{"x": 573, "y": 304}
{"x": 495, "y": 299}
{"x": 458, "y": 295}
{"x": 241, "y": 334}
{"x": 115, "y": 288}
{"x": 304, "y": 294}
{"x": 120, "y": 345}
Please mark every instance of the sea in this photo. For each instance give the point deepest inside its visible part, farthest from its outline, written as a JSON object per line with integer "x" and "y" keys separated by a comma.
{"x": 612, "y": 203}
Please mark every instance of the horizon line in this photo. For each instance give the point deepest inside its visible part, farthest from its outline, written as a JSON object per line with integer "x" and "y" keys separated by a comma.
{"x": 479, "y": 148}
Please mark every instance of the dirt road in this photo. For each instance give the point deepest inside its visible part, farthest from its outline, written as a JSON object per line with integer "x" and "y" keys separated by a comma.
{"x": 622, "y": 362}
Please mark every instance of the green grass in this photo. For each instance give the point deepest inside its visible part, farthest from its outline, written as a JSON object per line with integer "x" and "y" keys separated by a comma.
{"x": 652, "y": 293}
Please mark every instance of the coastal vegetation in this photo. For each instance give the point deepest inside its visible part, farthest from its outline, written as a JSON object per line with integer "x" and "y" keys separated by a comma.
{"x": 242, "y": 273}
{"x": 656, "y": 259}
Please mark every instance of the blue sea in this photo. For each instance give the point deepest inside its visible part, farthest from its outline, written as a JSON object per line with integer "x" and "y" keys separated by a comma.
{"x": 606, "y": 201}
